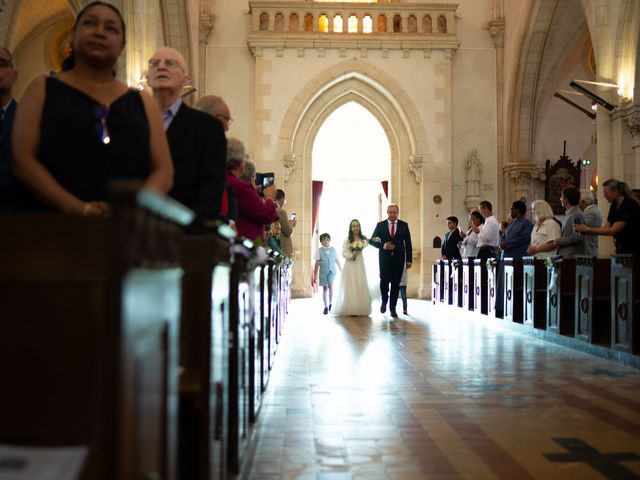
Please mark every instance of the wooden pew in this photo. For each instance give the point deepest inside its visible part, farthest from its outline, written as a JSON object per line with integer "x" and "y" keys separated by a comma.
{"x": 457, "y": 282}
{"x": 435, "y": 283}
{"x": 240, "y": 323}
{"x": 534, "y": 281}
{"x": 494, "y": 309}
{"x": 561, "y": 290}
{"x": 89, "y": 333}
{"x": 513, "y": 300}
{"x": 468, "y": 290}
{"x": 448, "y": 281}
{"x": 593, "y": 300}
{"x": 204, "y": 326}
{"x": 480, "y": 282}
{"x": 256, "y": 331}
{"x": 625, "y": 303}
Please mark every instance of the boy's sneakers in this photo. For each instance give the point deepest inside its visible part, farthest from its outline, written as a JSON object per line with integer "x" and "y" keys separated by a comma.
{"x": 325, "y": 311}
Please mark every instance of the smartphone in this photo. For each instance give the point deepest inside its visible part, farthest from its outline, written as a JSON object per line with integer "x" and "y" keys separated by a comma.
{"x": 293, "y": 216}
{"x": 268, "y": 180}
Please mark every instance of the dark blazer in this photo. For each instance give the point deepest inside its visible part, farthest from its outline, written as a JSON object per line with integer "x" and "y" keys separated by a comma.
{"x": 199, "y": 151}
{"x": 8, "y": 182}
{"x": 402, "y": 240}
{"x": 450, "y": 244}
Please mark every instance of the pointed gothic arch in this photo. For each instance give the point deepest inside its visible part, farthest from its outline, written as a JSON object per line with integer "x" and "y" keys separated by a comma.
{"x": 350, "y": 81}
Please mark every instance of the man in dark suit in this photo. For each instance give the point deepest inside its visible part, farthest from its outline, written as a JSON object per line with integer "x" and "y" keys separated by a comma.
{"x": 8, "y": 76}
{"x": 197, "y": 140}
{"x": 449, "y": 250}
{"x": 393, "y": 239}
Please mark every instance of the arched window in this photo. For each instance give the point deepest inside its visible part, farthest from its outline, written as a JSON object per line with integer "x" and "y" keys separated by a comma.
{"x": 279, "y": 22}
{"x": 367, "y": 24}
{"x": 353, "y": 24}
{"x": 323, "y": 23}
{"x": 427, "y": 24}
{"x": 382, "y": 23}
{"x": 264, "y": 22}
{"x": 293, "y": 22}
{"x": 337, "y": 23}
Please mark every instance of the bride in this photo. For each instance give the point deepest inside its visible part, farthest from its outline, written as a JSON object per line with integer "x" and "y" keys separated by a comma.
{"x": 353, "y": 296}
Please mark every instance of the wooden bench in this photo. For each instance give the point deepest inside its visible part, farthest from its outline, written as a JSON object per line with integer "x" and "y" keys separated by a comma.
{"x": 468, "y": 290}
{"x": 89, "y": 334}
{"x": 561, "y": 290}
{"x": 204, "y": 326}
{"x": 447, "y": 268}
{"x": 494, "y": 285}
{"x": 240, "y": 323}
{"x": 457, "y": 268}
{"x": 257, "y": 330}
{"x": 480, "y": 283}
{"x": 625, "y": 303}
{"x": 513, "y": 283}
{"x": 534, "y": 281}
{"x": 593, "y": 300}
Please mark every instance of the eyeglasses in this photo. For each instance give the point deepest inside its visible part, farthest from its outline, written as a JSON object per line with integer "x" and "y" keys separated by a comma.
{"x": 101, "y": 113}
{"x": 4, "y": 63}
{"x": 224, "y": 117}
{"x": 168, "y": 62}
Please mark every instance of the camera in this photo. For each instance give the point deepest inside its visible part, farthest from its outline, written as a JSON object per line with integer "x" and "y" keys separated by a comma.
{"x": 264, "y": 180}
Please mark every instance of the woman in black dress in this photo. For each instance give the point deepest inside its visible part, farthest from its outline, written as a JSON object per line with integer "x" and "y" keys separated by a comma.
{"x": 76, "y": 131}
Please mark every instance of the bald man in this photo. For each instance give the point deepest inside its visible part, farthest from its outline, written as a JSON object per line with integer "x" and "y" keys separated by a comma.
{"x": 197, "y": 140}
{"x": 216, "y": 106}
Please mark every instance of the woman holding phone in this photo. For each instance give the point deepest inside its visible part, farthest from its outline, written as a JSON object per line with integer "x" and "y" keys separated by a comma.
{"x": 253, "y": 212}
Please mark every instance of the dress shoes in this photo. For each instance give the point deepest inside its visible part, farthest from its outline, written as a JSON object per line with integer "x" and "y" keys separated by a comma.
{"x": 383, "y": 307}
{"x": 325, "y": 311}
{"x": 394, "y": 314}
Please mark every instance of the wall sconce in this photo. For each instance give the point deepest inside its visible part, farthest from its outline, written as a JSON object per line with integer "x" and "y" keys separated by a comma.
{"x": 599, "y": 100}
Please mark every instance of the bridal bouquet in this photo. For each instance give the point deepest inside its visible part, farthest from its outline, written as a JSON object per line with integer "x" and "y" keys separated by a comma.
{"x": 357, "y": 246}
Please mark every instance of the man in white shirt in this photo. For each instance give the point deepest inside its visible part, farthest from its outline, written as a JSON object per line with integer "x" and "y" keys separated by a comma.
{"x": 488, "y": 233}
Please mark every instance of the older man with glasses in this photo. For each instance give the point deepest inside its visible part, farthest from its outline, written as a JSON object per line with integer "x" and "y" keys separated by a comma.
{"x": 197, "y": 141}
{"x": 8, "y": 76}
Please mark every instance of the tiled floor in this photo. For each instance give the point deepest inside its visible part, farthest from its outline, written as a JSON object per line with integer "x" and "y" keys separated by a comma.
{"x": 440, "y": 395}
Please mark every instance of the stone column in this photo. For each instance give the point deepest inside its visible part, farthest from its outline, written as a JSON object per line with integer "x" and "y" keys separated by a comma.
{"x": 205, "y": 25}
{"x": 496, "y": 30}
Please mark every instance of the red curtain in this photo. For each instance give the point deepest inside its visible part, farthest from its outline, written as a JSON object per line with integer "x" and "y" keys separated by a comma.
{"x": 315, "y": 204}
{"x": 385, "y": 188}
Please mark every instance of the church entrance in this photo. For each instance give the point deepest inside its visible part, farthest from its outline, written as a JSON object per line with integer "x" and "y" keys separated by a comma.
{"x": 351, "y": 164}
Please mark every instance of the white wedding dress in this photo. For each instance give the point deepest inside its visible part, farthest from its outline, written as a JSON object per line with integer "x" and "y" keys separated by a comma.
{"x": 353, "y": 296}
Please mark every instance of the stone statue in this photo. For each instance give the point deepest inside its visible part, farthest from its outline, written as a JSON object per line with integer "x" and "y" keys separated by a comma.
{"x": 474, "y": 169}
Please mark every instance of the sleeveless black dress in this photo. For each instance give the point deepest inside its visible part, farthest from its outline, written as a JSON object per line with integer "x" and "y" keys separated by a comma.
{"x": 71, "y": 140}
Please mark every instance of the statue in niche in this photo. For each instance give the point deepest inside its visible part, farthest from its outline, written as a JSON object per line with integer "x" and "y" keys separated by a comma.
{"x": 442, "y": 24}
{"x": 564, "y": 173}
{"x": 427, "y": 24}
{"x": 474, "y": 169}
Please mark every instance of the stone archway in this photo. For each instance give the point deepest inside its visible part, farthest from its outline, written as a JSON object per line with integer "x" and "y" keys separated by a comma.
{"x": 358, "y": 81}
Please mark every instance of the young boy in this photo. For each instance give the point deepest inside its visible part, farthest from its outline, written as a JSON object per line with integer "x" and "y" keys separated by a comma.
{"x": 326, "y": 262}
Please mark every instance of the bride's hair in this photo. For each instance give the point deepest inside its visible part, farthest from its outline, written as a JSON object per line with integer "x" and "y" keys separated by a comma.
{"x": 362, "y": 237}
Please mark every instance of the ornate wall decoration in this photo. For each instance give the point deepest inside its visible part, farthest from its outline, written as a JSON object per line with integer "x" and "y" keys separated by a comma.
{"x": 415, "y": 166}
{"x": 289, "y": 160}
{"x": 473, "y": 168}
{"x": 560, "y": 175}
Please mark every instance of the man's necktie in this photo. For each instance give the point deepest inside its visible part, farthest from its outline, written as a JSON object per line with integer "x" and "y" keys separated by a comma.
{"x": 166, "y": 118}
{"x": 393, "y": 229}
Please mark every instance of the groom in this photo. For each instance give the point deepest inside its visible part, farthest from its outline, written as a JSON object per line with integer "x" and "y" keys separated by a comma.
{"x": 393, "y": 239}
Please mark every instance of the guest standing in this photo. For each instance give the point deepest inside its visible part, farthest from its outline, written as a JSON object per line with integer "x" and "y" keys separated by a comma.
{"x": 75, "y": 132}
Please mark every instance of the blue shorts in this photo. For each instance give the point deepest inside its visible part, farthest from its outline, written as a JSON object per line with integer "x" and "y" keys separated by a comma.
{"x": 326, "y": 278}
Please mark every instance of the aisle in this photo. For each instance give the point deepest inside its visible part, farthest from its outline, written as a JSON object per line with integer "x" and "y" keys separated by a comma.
{"x": 437, "y": 397}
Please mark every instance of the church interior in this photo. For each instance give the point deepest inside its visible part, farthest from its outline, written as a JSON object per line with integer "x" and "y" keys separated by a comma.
{"x": 132, "y": 350}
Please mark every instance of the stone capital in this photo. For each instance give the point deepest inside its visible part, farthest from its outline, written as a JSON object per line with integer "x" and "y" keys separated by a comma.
{"x": 496, "y": 30}
{"x": 289, "y": 160}
{"x": 415, "y": 166}
{"x": 633, "y": 124}
{"x": 205, "y": 25}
